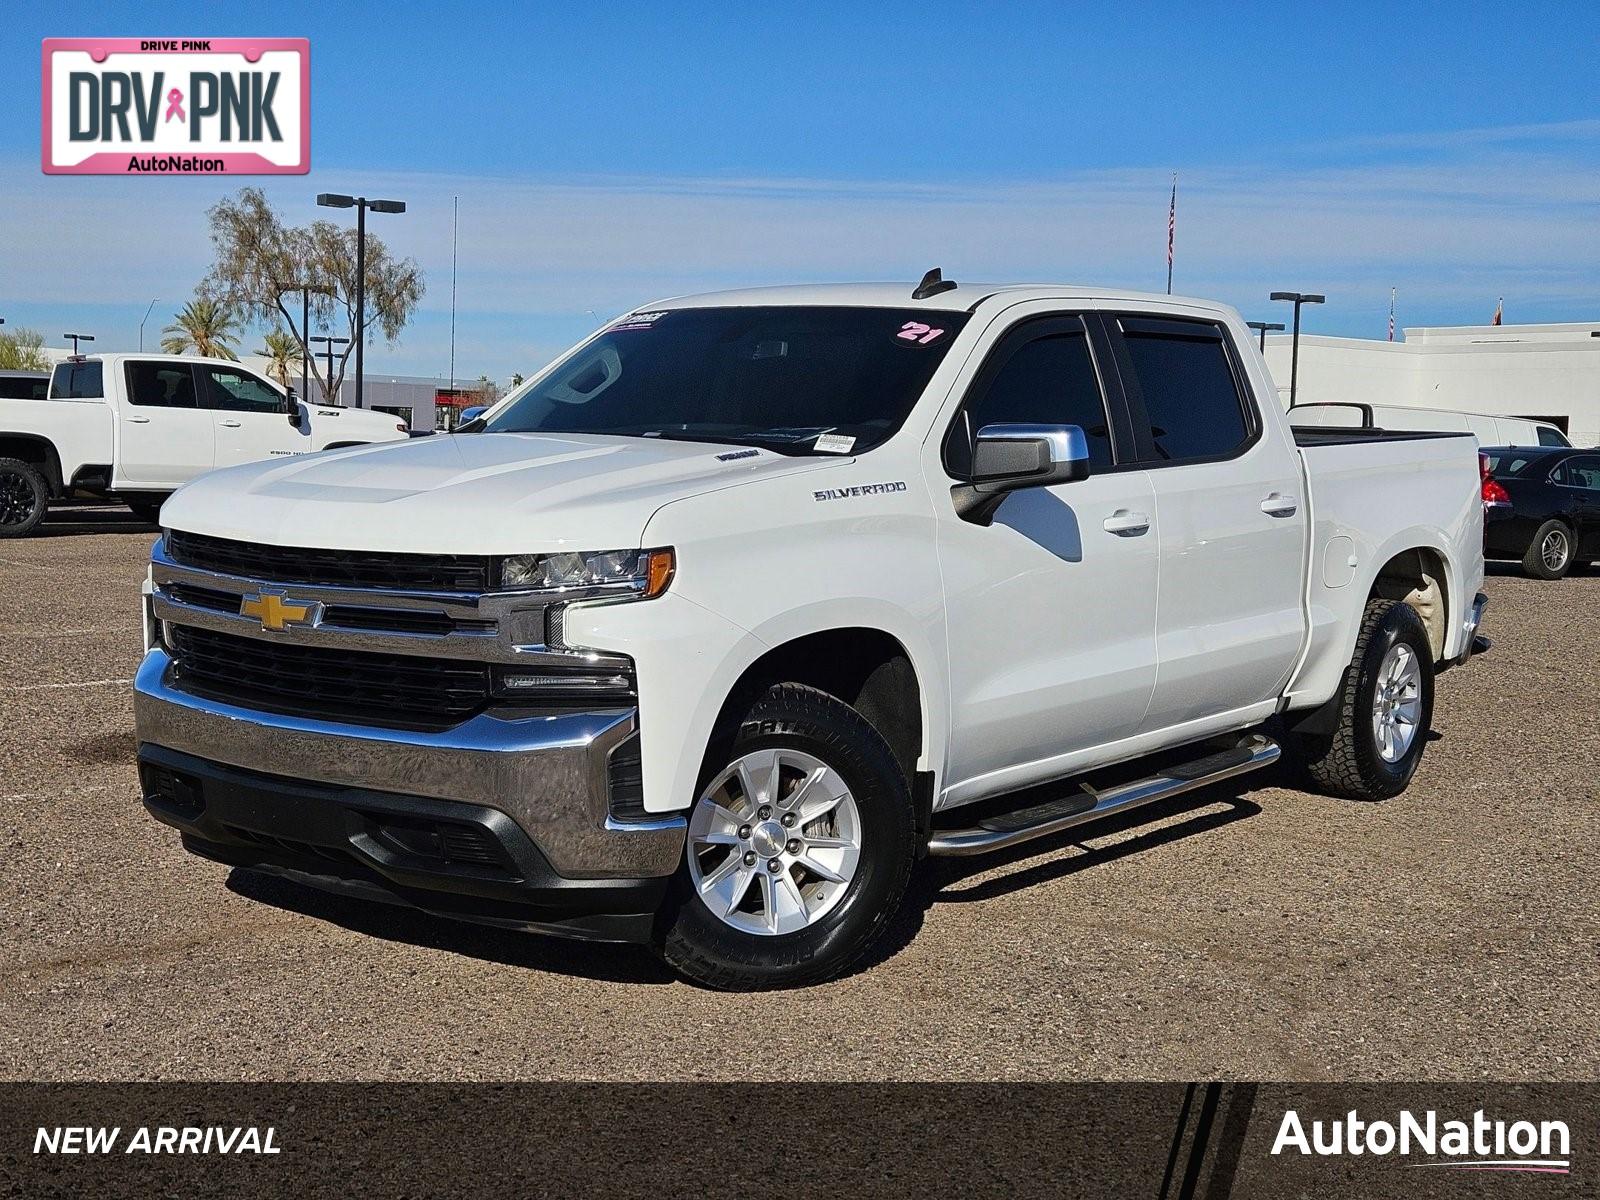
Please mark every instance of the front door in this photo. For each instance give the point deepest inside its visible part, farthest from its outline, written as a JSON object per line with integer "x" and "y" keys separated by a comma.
{"x": 250, "y": 419}
{"x": 1051, "y": 609}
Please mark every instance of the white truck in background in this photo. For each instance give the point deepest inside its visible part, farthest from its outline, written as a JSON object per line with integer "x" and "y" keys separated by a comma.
{"x": 135, "y": 427}
{"x": 710, "y": 631}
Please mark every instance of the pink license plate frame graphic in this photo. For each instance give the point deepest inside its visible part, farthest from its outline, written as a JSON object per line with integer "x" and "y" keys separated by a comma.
{"x": 228, "y": 162}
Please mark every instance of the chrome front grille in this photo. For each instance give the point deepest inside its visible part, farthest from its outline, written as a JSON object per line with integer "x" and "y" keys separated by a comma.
{"x": 366, "y": 655}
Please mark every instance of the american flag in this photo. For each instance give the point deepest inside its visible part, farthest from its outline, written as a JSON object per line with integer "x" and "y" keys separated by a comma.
{"x": 1499, "y": 310}
{"x": 1391, "y": 314}
{"x": 1172, "y": 228}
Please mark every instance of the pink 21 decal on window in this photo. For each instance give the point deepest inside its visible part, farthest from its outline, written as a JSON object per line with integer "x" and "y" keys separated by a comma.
{"x": 916, "y": 331}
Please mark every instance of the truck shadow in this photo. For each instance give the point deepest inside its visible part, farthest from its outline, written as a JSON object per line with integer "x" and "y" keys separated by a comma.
{"x": 937, "y": 881}
{"x": 946, "y": 880}
{"x": 608, "y": 962}
{"x": 69, "y": 521}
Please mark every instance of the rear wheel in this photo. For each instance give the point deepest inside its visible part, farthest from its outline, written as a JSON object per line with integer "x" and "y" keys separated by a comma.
{"x": 1549, "y": 554}
{"x": 799, "y": 848}
{"x": 1383, "y": 710}
{"x": 24, "y": 496}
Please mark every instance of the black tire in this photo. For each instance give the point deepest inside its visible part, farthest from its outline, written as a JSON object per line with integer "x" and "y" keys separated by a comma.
{"x": 699, "y": 946}
{"x": 1534, "y": 561}
{"x": 24, "y": 497}
{"x": 1348, "y": 762}
{"x": 147, "y": 510}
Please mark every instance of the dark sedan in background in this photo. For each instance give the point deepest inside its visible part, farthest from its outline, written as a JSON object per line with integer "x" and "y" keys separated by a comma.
{"x": 1542, "y": 508}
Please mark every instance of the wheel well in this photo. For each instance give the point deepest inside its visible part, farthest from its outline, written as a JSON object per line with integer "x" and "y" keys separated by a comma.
{"x": 35, "y": 450}
{"x": 1417, "y": 577}
{"x": 866, "y": 668}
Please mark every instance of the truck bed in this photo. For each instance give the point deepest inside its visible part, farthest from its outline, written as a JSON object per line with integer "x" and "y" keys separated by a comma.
{"x": 1375, "y": 493}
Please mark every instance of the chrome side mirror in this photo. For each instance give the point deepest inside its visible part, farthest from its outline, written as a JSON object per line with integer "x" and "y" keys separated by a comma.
{"x": 1008, "y": 458}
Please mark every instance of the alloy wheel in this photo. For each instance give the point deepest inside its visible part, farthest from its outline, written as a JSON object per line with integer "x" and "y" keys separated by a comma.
{"x": 1555, "y": 548}
{"x": 1397, "y": 707}
{"x": 18, "y": 500}
{"x": 774, "y": 842}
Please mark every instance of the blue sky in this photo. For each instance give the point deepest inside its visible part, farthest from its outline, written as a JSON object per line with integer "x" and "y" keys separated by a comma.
{"x": 609, "y": 154}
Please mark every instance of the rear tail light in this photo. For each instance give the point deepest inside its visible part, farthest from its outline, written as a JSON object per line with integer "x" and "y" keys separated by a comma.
{"x": 1493, "y": 493}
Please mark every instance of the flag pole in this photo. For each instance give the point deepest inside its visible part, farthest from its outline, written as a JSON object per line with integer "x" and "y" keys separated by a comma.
{"x": 1391, "y": 314}
{"x": 1172, "y": 225}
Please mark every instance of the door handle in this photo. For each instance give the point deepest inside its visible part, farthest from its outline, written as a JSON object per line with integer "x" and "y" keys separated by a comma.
{"x": 1279, "y": 505}
{"x": 1127, "y": 524}
{"x": 229, "y": 424}
{"x": 138, "y": 420}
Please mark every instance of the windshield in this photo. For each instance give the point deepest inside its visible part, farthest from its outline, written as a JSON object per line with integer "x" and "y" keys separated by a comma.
{"x": 798, "y": 380}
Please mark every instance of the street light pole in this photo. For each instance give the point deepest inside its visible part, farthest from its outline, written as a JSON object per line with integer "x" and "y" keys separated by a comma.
{"x": 1298, "y": 298}
{"x": 360, "y": 204}
{"x": 145, "y": 318}
{"x": 1263, "y": 326}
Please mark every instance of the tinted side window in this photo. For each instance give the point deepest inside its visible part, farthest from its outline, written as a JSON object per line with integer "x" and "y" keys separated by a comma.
{"x": 22, "y": 387}
{"x": 1583, "y": 472}
{"x": 78, "y": 381}
{"x": 238, "y": 392}
{"x": 1048, "y": 380}
{"x": 161, "y": 385}
{"x": 1182, "y": 373}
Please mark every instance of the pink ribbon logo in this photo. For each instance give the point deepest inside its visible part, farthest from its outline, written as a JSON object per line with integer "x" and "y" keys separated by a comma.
{"x": 175, "y": 105}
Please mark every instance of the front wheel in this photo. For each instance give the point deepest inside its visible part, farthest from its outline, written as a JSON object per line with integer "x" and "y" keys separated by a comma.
{"x": 1549, "y": 554}
{"x": 799, "y": 848}
{"x": 1383, "y": 709}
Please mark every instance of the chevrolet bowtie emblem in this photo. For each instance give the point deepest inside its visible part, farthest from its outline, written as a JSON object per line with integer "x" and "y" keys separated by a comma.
{"x": 277, "y": 612}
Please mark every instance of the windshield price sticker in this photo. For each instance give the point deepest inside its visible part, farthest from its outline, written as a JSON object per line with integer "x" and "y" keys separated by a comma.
{"x": 170, "y": 106}
{"x": 834, "y": 443}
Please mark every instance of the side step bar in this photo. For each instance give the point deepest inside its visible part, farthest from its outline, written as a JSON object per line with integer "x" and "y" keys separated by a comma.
{"x": 1053, "y": 816}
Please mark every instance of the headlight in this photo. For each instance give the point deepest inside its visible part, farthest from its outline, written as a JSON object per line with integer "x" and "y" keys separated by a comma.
{"x": 648, "y": 571}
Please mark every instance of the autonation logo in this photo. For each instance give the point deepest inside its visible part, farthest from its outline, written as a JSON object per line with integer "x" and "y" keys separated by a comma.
{"x": 1478, "y": 1144}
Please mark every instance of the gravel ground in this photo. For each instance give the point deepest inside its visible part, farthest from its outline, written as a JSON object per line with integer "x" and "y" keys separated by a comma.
{"x": 1251, "y": 932}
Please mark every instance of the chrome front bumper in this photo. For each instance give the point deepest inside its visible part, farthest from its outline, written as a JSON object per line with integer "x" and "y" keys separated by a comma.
{"x": 547, "y": 773}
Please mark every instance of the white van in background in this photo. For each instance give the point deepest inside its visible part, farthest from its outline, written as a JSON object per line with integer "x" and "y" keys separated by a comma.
{"x": 1490, "y": 431}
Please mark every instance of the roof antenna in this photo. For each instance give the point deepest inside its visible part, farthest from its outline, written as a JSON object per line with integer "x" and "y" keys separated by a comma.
{"x": 932, "y": 284}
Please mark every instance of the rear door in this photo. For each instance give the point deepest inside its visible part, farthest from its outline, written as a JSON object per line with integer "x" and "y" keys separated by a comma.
{"x": 251, "y": 421}
{"x": 1579, "y": 477}
{"x": 1051, "y": 608}
{"x": 166, "y": 437}
{"x": 1229, "y": 514}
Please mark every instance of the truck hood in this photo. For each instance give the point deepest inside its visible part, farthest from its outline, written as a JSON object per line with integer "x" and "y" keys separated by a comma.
{"x": 487, "y": 493}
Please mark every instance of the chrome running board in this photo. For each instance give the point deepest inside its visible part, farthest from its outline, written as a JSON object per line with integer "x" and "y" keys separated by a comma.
{"x": 1041, "y": 820}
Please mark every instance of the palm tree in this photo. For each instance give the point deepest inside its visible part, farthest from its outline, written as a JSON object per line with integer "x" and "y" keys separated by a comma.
{"x": 204, "y": 326}
{"x": 280, "y": 351}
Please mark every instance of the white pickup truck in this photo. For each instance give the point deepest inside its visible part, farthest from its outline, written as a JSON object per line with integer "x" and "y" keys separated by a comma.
{"x": 135, "y": 427}
{"x": 708, "y": 632}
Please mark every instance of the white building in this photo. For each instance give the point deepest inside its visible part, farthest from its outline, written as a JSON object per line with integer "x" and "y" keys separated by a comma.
{"x": 1551, "y": 372}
